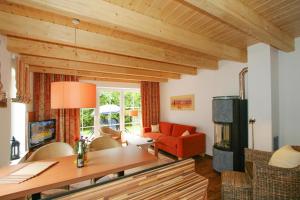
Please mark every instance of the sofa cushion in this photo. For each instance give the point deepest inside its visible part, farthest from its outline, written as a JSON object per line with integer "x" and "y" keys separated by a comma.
{"x": 153, "y": 136}
{"x": 155, "y": 128}
{"x": 165, "y": 128}
{"x": 168, "y": 141}
{"x": 178, "y": 130}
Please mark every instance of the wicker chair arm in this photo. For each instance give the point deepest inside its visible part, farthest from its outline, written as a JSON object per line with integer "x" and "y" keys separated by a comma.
{"x": 257, "y": 155}
{"x": 271, "y": 182}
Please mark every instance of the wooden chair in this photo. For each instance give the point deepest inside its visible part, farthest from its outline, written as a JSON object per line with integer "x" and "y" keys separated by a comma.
{"x": 104, "y": 142}
{"x": 101, "y": 143}
{"x": 52, "y": 150}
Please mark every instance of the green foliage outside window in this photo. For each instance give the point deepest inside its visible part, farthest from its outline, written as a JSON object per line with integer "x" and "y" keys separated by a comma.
{"x": 132, "y": 101}
{"x": 86, "y": 122}
{"x": 110, "y": 98}
{"x": 87, "y": 117}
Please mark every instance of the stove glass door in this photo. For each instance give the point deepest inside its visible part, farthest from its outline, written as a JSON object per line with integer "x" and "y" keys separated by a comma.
{"x": 223, "y": 136}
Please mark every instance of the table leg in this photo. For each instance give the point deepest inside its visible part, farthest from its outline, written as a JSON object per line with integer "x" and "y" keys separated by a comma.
{"x": 155, "y": 151}
{"x": 121, "y": 173}
{"x": 144, "y": 147}
{"x": 36, "y": 196}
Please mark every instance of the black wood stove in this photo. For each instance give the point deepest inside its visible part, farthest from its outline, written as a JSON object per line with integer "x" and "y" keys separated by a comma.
{"x": 231, "y": 132}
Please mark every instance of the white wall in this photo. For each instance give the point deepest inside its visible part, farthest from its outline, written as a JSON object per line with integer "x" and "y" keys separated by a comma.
{"x": 260, "y": 95}
{"x": 19, "y": 112}
{"x": 5, "y": 113}
{"x": 275, "y": 94}
{"x": 14, "y": 118}
{"x": 205, "y": 85}
{"x": 273, "y": 85}
{"x": 18, "y": 124}
{"x": 289, "y": 96}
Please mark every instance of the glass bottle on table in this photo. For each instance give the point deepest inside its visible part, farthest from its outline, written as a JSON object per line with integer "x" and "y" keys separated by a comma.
{"x": 80, "y": 154}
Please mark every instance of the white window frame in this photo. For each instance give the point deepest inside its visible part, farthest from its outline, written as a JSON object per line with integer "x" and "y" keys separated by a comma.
{"x": 122, "y": 106}
{"x": 81, "y": 121}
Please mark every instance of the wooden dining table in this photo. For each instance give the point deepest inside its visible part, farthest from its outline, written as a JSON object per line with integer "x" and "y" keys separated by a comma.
{"x": 65, "y": 172}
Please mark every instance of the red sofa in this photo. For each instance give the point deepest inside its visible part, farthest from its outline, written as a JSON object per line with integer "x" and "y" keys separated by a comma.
{"x": 169, "y": 139}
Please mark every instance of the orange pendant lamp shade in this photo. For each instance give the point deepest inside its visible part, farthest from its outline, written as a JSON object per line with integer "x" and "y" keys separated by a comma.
{"x": 68, "y": 94}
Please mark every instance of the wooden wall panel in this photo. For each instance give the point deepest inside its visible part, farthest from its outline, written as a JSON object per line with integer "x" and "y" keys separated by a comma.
{"x": 174, "y": 181}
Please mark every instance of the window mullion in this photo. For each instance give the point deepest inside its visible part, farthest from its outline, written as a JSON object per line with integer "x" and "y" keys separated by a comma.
{"x": 122, "y": 110}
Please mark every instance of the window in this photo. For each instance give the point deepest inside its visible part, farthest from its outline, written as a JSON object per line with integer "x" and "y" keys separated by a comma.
{"x": 110, "y": 109}
{"x": 119, "y": 109}
{"x": 87, "y": 122}
{"x": 132, "y": 112}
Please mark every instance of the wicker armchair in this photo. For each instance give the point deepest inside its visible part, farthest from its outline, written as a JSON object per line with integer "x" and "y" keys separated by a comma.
{"x": 260, "y": 180}
{"x": 106, "y": 131}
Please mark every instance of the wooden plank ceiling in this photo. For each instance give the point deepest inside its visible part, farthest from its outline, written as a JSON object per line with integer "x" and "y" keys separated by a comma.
{"x": 143, "y": 40}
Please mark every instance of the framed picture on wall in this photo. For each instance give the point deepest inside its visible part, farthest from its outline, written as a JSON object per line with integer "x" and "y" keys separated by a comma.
{"x": 183, "y": 102}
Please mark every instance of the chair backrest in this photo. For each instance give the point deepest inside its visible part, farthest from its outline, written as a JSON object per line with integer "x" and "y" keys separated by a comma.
{"x": 103, "y": 142}
{"x": 52, "y": 150}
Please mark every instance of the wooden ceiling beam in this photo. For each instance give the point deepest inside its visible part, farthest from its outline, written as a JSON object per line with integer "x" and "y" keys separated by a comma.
{"x": 81, "y": 73}
{"x": 109, "y": 15}
{"x": 69, "y": 64}
{"x": 235, "y": 13}
{"x": 37, "y": 48}
{"x": 41, "y": 30}
{"x": 108, "y": 80}
{"x": 183, "y": 56}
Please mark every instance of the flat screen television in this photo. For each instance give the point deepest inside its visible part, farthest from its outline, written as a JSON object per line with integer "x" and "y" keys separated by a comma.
{"x": 41, "y": 132}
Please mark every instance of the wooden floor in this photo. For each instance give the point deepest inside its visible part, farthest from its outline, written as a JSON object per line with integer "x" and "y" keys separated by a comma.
{"x": 204, "y": 168}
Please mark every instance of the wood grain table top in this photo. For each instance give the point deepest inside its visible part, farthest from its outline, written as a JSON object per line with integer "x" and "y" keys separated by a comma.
{"x": 65, "y": 172}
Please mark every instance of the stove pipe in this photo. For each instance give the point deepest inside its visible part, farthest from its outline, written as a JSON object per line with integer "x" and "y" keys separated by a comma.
{"x": 242, "y": 82}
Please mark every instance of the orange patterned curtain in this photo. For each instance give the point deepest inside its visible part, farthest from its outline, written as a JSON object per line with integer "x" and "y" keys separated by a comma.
{"x": 150, "y": 103}
{"x": 67, "y": 120}
{"x": 22, "y": 82}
